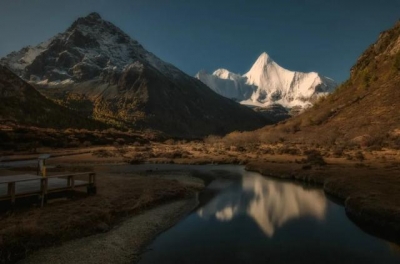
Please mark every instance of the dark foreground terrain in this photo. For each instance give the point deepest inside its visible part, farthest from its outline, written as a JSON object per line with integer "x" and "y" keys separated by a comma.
{"x": 367, "y": 185}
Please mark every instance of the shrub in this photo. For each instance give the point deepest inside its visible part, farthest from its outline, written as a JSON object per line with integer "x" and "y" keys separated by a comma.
{"x": 102, "y": 153}
{"x": 359, "y": 156}
{"x": 74, "y": 144}
{"x": 87, "y": 143}
{"x": 288, "y": 150}
{"x": 120, "y": 141}
{"x": 338, "y": 151}
{"x": 314, "y": 157}
{"x": 137, "y": 159}
{"x": 397, "y": 61}
{"x": 268, "y": 150}
{"x": 169, "y": 142}
{"x": 175, "y": 154}
{"x": 306, "y": 167}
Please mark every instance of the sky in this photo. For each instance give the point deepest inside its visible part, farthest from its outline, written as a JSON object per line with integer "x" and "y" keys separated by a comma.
{"x": 303, "y": 35}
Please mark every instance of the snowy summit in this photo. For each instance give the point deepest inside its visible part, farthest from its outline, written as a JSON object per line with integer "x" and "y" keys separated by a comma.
{"x": 267, "y": 83}
{"x": 90, "y": 47}
{"x": 99, "y": 71}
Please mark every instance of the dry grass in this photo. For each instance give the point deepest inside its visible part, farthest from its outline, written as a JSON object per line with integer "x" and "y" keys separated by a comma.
{"x": 25, "y": 230}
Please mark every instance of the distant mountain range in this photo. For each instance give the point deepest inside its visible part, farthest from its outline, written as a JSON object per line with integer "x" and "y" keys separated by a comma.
{"x": 98, "y": 71}
{"x": 267, "y": 83}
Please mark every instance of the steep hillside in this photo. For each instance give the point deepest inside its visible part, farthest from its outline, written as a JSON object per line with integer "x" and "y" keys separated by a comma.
{"x": 98, "y": 70}
{"x": 364, "y": 110}
{"x": 21, "y": 103}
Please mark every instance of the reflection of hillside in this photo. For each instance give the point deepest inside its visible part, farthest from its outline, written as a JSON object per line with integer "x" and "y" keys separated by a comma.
{"x": 271, "y": 204}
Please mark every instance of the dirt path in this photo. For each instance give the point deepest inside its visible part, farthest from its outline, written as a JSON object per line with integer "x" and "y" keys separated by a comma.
{"x": 123, "y": 244}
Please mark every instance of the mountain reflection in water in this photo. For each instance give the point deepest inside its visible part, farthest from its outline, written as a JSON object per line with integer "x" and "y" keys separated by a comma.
{"x": 270, "y": 203}
{"x": 258, "y": 220}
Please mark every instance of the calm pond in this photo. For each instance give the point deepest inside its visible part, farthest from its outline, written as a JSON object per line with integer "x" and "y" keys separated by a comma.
{"x": 261, "y": 220}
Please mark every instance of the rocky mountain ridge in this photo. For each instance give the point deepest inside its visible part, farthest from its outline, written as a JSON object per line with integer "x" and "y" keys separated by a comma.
{"x": 99, "y": 71}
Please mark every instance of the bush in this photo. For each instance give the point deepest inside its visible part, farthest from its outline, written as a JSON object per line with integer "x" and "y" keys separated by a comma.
{"x": 288, "y": 150}
{"x": 314, "y": 157}
{"x": 174, "y": 154}
{"x": 137, "y": 159}
{"x": 102, "y": 153}
{"x": 169, "y": 142}
{"x": 359, "y": 156}
{"x": 268, "y": 150}
{"x": 338, "y": 151}
{"x": 397, "y": 61}
{"x": 87, "y": 143}
{"x": 120, "y": 141}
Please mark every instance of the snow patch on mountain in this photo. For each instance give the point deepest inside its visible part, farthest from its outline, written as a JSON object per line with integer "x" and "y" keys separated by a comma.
{"x": 18, "y": 60}
{"x": 89, "y": 48}
{"x": 227, "y": 84}
{"x": 267, "y": 83}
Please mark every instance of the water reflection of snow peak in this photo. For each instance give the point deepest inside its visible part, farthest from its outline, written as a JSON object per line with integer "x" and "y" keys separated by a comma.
{"x": 270, "y": 203}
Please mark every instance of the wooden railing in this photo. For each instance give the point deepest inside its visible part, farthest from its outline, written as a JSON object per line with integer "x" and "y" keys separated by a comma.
{"x": 71, "y": 184}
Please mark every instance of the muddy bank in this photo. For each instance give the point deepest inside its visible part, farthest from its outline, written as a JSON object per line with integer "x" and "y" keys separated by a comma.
{"x": 370, "y": 195}
{"x": 123, "y": 244}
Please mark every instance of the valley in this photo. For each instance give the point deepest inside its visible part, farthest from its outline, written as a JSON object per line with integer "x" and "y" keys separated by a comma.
{"x": 97, "y": 70}
{"x": 347, "y": 178}
{"x": 223, "y": 166}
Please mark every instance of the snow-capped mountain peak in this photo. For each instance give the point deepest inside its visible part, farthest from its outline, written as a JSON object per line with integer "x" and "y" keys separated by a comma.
{"x": 90, "y": 47}
{"x": 225, "y": 74}
{"x": 265, "y": 72}
{"x": 94, "y": 16}
{"x": 226, "y": 83}
{"x": 263, "y": 60}
{"x": 102, "y": 73}
{"x": 269, "y": 84}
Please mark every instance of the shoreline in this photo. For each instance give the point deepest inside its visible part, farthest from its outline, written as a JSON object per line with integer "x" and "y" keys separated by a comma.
{"x": 379, "y": 218}
{"x": 122, "y": 196}
{"x": 368, "y": 193}
{"x": 123, "y": 244}
{"x": 144, "y": 224}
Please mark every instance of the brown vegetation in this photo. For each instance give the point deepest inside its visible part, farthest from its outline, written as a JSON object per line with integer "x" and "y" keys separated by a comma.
{"x": 29, "y": 139}
{"x": 27, "y": 229}
{"x": 361, "y": 113}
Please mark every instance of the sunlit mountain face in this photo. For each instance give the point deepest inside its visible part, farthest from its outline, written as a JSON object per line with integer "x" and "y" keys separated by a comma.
{"x": 270, "y": 204}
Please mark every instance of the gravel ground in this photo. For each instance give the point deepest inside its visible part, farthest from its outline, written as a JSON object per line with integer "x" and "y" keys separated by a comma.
{"x": 123, "y": 244}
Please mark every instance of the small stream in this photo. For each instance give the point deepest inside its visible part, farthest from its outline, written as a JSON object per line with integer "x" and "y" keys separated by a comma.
{"x": 255, "y": 219}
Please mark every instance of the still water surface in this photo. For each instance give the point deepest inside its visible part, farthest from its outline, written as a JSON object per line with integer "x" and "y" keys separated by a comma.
{"x": 263, "y": 220}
